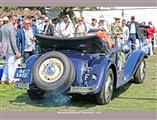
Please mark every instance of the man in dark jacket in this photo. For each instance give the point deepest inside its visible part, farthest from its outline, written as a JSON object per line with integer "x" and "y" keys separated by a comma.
{"x": 133, "y": 28}
{"x": 48, "y": 28}
{"x": 142, "y": 33}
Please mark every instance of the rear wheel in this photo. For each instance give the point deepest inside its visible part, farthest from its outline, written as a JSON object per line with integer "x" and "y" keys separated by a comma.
{"x": 140, "y": 73}
{"x": 104, "y": 97}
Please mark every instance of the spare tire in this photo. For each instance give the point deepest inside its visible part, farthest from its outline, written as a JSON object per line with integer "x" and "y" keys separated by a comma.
{"x": 53, "y": 71}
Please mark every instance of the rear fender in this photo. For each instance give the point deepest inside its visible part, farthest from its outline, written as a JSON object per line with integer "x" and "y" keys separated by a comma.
{"x": 29, "y": 64}
{"x": 132, "y": 63}
{"x": 100, "y": 69}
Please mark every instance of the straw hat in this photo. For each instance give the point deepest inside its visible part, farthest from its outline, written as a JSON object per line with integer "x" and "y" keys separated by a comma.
{"x": 102, "y": 17}
{"x": 5, "y": 18}
{"x": 80, "y": 18}
{"x": 46, "y": 19}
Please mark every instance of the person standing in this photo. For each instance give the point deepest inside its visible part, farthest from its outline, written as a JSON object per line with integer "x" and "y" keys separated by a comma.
{"x": 142, "y": 34}
{"x": 125, "y": 31}
{"x": 48, "y": 28}
{"x": 133, "y": 29}
{"x": 40, "y": 24}
{"x": 94, "y": 24}
{"x": 103, "y": 24}
{"x": 67, "y": 29}
{"x": 151, "y": 31}
{"x": 26, "y": 39}
{"x": 9, "y": 49}
{"x": 117, "y": 30}
{"x": 81, "y": 27}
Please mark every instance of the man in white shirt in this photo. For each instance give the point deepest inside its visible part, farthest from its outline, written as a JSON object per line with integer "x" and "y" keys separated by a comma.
{"x": 125, "y": 31}
{"x": 40, "y": 25}
{"x": 82, "y": 27}
{"x": 103, "y": 24}
{"x": 94, "y": 24}
{"x": 66, "y": 28}
{"x": 29, "y": 39}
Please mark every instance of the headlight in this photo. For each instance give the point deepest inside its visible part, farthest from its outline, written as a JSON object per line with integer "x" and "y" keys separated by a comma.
{"x": 126, "y": 48}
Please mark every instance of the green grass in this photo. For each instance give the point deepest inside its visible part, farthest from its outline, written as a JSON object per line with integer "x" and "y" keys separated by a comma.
{"x": 131, "y": 97}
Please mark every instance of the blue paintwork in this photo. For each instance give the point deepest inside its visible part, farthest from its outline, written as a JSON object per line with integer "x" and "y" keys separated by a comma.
{"x": 99, "y": 64}
{"x": 1, "y": 72}
{"x": 29, "y": 64}
{"x": 131, "y": 65}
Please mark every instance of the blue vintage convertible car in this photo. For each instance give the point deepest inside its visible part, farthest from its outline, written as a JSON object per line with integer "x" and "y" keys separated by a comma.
{"x": 81, "y": 65}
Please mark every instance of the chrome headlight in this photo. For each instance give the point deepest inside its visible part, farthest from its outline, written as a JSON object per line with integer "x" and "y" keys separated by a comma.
{"x": 126, "y": 48}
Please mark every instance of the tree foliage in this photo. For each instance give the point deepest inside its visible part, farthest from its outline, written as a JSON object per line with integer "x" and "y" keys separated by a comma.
{"x": 60, "y": 11}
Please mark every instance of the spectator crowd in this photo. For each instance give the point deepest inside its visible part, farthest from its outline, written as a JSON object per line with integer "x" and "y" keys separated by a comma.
{"x": 17, "y": 35}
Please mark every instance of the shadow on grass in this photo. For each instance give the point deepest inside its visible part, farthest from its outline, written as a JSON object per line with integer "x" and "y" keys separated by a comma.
{"x": 51, "y": 100}
{"x": 120, "y": 90}
{"x": 150, "y": 99}
{"x": 80, "y": 101}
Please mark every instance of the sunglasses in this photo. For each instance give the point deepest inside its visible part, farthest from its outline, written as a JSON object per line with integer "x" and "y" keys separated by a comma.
{"x": 27, "y": 23}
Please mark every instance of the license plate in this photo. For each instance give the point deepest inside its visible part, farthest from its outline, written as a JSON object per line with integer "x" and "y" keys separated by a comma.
{"x": 22, "y": 73}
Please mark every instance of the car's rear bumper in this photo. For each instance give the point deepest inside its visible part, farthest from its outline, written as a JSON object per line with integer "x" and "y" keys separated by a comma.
{"x": 73, "y": 89}
{"x": 82, "y": 90}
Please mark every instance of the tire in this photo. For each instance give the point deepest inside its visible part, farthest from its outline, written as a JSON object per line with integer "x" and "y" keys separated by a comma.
{"x": 35, "y": 95}
{"x": 53, "y": 71}
{"x": 140, "y": 73}
{"x": 102, "y": 97}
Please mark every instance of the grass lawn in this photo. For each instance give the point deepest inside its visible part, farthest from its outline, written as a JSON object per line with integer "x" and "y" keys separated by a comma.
{"x": 131, "y": 97}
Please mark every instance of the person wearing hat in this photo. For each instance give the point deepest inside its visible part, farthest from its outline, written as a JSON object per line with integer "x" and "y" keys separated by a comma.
{"x": 103, "y": 24}
{"x": 48, "y": 28}
{"x": 82, "y": 27}
{"x": 9, "y": 49}
{"x": 41, "y": 24}
{"x": 117, "y": 30}
{"x": 125, "y": 31}
{"x": 5, "y": 20}
{"x": 66, "y": 28}
{"x": 134, "y": 32}
{"x": 94, "y": 23}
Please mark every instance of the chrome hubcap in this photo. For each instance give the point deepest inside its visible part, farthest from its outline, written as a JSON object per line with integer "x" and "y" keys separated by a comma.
{"x": 51, "y": 70}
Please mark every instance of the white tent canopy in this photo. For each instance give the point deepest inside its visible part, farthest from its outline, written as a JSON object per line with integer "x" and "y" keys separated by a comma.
{"x": 141, "y": 14}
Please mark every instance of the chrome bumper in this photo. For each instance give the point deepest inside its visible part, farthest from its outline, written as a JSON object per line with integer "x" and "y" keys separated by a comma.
{"x": 82, "y": 90}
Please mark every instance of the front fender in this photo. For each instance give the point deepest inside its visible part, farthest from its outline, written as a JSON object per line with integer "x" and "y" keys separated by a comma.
{"x": 132, "y": 63}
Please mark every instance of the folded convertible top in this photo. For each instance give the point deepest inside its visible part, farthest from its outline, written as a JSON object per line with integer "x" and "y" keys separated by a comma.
{"x": 90, "y": 43}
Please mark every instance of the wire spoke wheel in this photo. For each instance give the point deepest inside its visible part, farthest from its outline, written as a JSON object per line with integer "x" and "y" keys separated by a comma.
{"x": 140, "y": 73}
{"x": 105, "y": 95}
